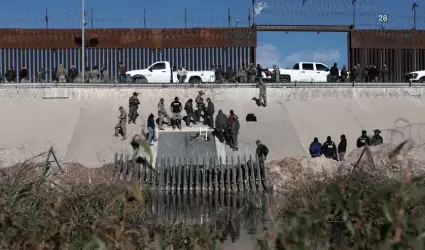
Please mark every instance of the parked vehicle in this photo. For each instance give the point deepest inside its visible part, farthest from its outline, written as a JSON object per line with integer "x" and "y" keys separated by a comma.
{"x": 162, "y": 72}
{"x": 415, "y": 76}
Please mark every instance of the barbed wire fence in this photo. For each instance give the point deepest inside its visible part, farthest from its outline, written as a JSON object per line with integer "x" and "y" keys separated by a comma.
{"x": 387, "y": 14}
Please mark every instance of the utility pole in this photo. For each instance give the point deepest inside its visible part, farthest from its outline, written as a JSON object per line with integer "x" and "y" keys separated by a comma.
{"x": 144, "y": 18}
{"x": 414, "y": 7}
{"x": 83, "y": 39}
{"x": 353, "y": 3}
{"x": 249, "y": 17}
{"x": 46, "y": 19}
{"x": 253, "y": 12}
{"x": 185, "y": 18}
{"x": 91, "y": 18}
{"x": 229, "y": 18}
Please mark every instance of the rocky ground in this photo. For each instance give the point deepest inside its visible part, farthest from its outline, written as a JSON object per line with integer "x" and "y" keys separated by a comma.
{"x": 291, "y": 172}
{"x": 283, "y": 175}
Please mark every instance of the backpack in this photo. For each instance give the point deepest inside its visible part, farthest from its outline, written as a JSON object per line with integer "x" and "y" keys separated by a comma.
{"x": 251, "y": 117}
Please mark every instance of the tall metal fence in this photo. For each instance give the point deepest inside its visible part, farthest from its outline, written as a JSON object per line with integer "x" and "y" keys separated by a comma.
{"x": 194, "y": 49}
{"x": 187, "y": 174}
{"x": 403, "y": 51}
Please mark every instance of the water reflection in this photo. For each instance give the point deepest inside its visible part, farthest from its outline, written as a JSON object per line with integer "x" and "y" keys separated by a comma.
{"x": 231, "y": 210}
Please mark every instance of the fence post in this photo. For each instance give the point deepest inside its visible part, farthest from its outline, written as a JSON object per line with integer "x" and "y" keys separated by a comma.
{"x": 195, "y": 187}
{"x": 240, "y": 175}
{"x": 234, "y": 173}
{"x": 252, "y": 177}
{"x": 228, "y": 186}
{"x": 173, "y": 174}
{"x": 184, "y": 173}
{"x": 191, "y": 168}
{"x": 204, "y": 173}
{"x": 221, "y": 180}
{"x": 178, "y": 174}
{"x": 213, "y": 174}
{"x": 245, "y": 181}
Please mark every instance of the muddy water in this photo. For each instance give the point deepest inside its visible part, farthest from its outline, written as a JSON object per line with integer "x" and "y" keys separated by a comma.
{"x": 247, "y": 211}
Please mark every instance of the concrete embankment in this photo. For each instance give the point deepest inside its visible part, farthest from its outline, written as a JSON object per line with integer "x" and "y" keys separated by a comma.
{"x": 80, "y": 122}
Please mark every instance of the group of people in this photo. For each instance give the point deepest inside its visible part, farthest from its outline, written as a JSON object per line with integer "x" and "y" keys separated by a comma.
{"x": 331, "y": 151}
{"x": 61, "y": 75}
{"x": 369, "y": 73}
{"x": 225, "y": 127}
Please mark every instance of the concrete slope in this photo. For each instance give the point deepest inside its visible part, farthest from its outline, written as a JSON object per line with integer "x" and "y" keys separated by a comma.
{"x": 333, "y": 117}
{"x": 81, "y": 126}
{"x": 31, "y": 126}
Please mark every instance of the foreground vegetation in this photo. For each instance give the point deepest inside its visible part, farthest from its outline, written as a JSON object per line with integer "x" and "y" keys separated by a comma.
{"x": 356, "y": 211}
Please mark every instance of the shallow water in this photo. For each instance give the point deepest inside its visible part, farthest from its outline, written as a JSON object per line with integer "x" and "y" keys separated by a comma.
{"x": 247, "y": 211}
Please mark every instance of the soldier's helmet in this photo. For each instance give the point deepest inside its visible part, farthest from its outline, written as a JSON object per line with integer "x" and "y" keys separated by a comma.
{"x": 135, "y": 93}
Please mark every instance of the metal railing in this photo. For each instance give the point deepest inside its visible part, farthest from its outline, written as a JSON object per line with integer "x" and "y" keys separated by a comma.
{"x": 188, "y": 174}
{"x": 213, "y": 85}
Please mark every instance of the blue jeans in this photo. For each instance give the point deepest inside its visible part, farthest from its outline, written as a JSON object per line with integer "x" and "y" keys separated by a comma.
{"x": 151, "y": 135}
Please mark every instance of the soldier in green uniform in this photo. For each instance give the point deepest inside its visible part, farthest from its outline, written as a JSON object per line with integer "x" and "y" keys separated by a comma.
{"x": 120, "y": 128}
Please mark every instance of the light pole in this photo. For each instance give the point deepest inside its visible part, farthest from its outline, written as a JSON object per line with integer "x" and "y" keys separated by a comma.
{"x": 237, "y": 22}
{"x": 83, "y": 39}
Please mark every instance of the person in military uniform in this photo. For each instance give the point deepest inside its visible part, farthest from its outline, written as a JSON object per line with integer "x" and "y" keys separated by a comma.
{"x": 133, "y": 104}
{"x": 252, "y": 73}
{"x": 61, "y": 74}
{"x": 200, "y": 105}
{"x": 276, "y": 73}
{"x": 162, "y": 113}
{"x": 120, "y": 128}
{"x": 176, "y": 109}
{"x": 376, "y": 138}
{"x": 262, "y": 97}
{"x": 363, "y": 140}
{"x": 41, "y": 76}
{"x": 94, "y": 75}
{"x": 243, "y": 74}
{"x": 190, "y": 114}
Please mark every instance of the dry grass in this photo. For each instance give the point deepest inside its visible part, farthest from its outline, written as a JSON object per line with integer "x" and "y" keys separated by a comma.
{"x": 354, "y": 211}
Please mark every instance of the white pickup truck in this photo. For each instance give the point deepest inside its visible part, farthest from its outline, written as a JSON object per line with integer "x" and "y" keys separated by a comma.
{"x": 415, "y": 76}
{"x": 304, "y": 72}
{"x": 161, "y": 72}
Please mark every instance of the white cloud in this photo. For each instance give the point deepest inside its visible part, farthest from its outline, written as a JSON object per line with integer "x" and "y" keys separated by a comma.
{"x": 268, "y": 54}
{"x": 259, "y": 7}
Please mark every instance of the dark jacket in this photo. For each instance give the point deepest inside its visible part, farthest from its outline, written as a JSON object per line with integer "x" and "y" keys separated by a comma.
{"x": 23, "y": 74}
{"x": 210, "y": 108}
{"x": 151, "y": 122}
{"x": 376, "y": 140}
{"x": 260, "y": 71}
{"x": 221, "y": 120}
{"x": 329, "y": 149}
{"x": 10, "y": 75}
{"x": 334, "y": 71}
{"x": 176, "y": 107}
{"x": 362, "y": 141}
{"x": 342, "y": 146}
{"x": 262, "y": 151}
{"x": 188, "y": 107}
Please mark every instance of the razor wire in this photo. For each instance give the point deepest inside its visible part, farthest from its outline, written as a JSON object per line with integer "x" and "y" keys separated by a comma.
{"x": 399, "y": 15}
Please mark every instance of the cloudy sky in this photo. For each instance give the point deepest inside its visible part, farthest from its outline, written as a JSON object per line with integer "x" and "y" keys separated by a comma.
{"x": 279, "y": 48}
